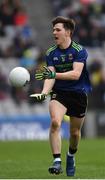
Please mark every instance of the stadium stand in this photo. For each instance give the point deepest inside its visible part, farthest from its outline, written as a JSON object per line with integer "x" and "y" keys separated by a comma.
{"x": 25, "y": 35}
{"x": 18, "y": 47}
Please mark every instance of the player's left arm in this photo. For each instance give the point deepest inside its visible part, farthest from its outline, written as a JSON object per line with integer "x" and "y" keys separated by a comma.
{"x": 73, "y": 74}
{"x": 69, "y": 75}
{"x": 78, "y": 66}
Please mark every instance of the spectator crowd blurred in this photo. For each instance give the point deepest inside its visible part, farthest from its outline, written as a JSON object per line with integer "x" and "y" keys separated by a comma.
{"x": 18, "y": 47}
{"x": 90, "y": 19}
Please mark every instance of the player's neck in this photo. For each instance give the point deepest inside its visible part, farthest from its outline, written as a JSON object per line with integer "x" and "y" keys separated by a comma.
{"x": 65, "y": 44}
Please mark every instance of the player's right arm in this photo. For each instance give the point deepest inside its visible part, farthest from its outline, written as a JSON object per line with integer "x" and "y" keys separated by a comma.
{"x": 48, "y": 83}
{"x": 47, "y": 87}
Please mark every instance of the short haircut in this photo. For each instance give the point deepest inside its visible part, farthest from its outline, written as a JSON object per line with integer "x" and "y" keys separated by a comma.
{"x": 68, "y": 23}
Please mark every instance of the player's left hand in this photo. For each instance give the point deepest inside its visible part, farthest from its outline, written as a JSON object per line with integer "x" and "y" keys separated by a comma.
{"x": 46, "y": 74}
{"x": 39, "y": 97}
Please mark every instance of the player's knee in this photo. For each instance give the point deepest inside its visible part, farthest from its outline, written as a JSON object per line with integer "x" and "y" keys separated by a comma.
{"x": 55, "y": 125}
{"x": 75, "y": 133}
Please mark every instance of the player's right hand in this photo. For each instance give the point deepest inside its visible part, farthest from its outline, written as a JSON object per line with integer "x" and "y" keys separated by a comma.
{"x": 39, "y": 97}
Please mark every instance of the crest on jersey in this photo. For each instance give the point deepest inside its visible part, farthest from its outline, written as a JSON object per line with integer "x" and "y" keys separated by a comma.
{"x": 70, "y": 56}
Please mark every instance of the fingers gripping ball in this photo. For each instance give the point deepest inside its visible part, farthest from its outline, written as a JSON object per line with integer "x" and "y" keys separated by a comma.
{"x": 19, "y": 77}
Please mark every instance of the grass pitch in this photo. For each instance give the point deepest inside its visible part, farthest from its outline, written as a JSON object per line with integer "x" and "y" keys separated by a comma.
{"x": 31, "y": 159}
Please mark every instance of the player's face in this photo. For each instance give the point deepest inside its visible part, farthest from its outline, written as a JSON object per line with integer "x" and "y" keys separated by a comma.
{"x": 60, "y": 34}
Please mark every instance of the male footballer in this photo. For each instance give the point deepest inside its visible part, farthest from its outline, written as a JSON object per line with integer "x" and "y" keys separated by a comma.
{"x": 67, "y": 78}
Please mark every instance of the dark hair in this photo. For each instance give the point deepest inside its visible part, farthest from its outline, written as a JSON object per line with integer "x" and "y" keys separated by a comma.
{"x": 68, "y": 23}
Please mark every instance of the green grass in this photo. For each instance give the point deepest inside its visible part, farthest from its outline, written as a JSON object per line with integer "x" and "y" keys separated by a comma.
{"x": 31, "y": 159}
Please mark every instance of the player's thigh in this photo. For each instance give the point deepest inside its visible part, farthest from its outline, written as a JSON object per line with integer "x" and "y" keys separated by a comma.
{"x": 76, "y": 123}
{"x": 57, "y": 110}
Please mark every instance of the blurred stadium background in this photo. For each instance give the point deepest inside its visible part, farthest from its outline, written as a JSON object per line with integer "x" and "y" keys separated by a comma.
{"x": 25, "y": 35}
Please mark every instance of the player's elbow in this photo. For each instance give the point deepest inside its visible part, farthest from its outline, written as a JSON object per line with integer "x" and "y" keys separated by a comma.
{"x": 76, "y": 76}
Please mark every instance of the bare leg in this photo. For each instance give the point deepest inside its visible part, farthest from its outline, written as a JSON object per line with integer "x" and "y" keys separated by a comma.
{"x": 75, "y": 131}
{"x": 57, "y": 111}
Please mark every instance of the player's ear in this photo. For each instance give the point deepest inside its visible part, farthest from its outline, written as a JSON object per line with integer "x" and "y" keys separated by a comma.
{"x": 68, "y": 32}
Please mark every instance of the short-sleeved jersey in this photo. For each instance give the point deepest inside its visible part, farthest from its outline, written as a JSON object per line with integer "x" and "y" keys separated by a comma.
{"x": 62, "y": 60}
